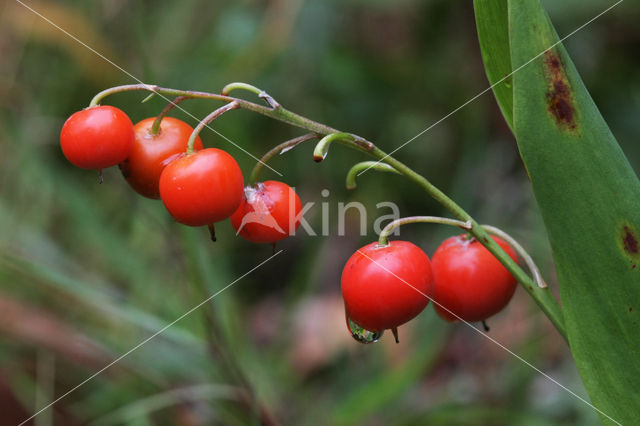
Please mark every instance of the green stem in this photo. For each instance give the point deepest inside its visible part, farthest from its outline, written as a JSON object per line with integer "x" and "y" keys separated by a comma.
{"x": 280, "y": 149}
{"x": 208, "y": 119}
{"x": 542, "y": 296}
{"x": 240, "y": 86}
{"x": 155, "y": 127}
{"x": 280, "y": 114}
{"x": 322, "y": 147}
{"x": 253, "y": 89}
{"x": 383, "y": 239}
{"x": 366, "y": 165}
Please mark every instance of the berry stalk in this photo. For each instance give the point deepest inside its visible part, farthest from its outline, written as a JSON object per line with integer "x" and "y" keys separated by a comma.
{"x": 155, "y": 127}
{"x": 208, "y": 119}
{"x": 383, "y": 238}
{"x": 386, "y": 232}
{"x": 279, "y": 149}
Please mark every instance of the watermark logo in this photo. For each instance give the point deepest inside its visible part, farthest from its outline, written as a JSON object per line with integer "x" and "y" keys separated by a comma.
{"x": 262, "y": 212}
{"x": 333, "y": 218}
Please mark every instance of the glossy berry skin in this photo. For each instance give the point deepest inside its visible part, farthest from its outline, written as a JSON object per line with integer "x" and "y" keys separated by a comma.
{"x": 97, "y": 137}
{"x": 202, "y": 188}
{"x": 469, "y": 281}
{"x": 385, "y": 286}
{"x": 151, "y": 153}
{"x": 268, "y": 212}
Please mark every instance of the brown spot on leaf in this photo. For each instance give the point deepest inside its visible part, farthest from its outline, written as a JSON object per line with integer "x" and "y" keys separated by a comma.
{"x": 630, "y": 241}
{"x": 560, "y": 102}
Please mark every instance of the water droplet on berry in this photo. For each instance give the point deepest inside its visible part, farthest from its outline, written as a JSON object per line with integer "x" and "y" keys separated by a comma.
{"x": 361, "y": 334}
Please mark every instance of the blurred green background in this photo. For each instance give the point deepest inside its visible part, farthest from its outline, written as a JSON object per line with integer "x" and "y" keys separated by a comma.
{"x": 88, "y": 271}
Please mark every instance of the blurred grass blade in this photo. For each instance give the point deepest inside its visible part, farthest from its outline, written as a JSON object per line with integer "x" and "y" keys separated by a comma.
{"x": 145, "y": 407}
{"x": 589, "y": 198}
{"x": 383, "y": 389}
{"x": 492, "y": 22}
{"x": 45, "y": 390}
{"x": 100, "y": 300}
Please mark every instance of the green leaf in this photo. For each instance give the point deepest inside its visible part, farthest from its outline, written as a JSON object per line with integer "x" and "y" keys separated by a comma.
{"x": 589, "y": 198}
{"x": 493, "y": 34}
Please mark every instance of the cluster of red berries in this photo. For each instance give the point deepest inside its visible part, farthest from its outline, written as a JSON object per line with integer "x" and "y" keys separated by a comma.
{"x": 197, "y": 188}
{"x": 384, "y": 286}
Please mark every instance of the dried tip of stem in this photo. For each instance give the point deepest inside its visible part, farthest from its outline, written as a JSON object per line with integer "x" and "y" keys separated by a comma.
{"x": 212, "y": 232}
{"x": 151, "y": 87}
{"x": 285, "y": 149}
{"x": 269, "y": 99}
{"x": 485, "y": 326}
{"x": 468, "y": 225}
{"x": 541, "y": 283}
{"x": 394, "y": 330}
{"x": 368, "y": 146}
{"x": 100, "y": 177}
{"x": 322, "y": 147}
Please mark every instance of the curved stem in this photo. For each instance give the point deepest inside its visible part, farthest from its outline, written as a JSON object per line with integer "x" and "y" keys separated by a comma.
{"x": 119, "y": 89}
{"x": 240, "y": 86}
{"x": 155, "y": 127}
{"x": 280, "y": 114}
{"x": 253, "y": 89}
{"x": 383, "y": 239}
{"x": 208, "y": 119}
{"x": 280, "y": 149}
{"x": 366, "y": 165}
{"x": 322, "y": 147}
{"x": 537, "y": 276}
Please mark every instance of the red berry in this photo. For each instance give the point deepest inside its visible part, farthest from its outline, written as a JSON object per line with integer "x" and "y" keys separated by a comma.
{"x": 151, "y": 153}
{"x": 469, "y": 281}
{"x": 202, "y": 188}
{"x": 386, "y": 286}
{"x": 268, "y": 212}
{"x": 97, "y": 137}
